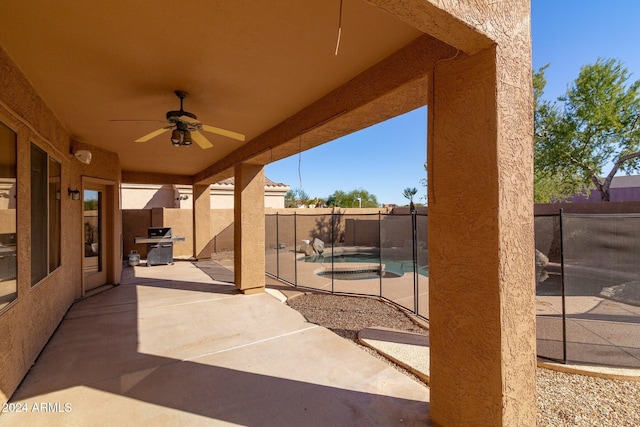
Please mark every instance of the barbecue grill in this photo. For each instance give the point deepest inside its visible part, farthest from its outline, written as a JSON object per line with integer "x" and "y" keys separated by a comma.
{"x": 159, "y": 242}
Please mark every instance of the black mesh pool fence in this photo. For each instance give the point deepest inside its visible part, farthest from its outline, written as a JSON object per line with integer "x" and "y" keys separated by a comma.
{"x": 587, "y": 273}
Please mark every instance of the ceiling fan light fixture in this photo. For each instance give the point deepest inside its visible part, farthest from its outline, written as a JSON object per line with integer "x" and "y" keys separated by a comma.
{"x": 183, "y": 123}
{"x": 186, "y": 138}
{"x": 175, "y": 137}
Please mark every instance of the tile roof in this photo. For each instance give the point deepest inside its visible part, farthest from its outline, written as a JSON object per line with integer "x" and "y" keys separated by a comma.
{"x": 267, "y": 182}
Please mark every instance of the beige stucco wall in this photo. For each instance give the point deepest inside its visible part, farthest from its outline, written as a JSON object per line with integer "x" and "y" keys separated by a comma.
{"x": 317, "y": 223}
{"x": 310, "y": 223}
{"x": 181, "y": 223}
{"x": 134, "y": 224}
{"x": 248, "y": 230}
{"x": 7, "y": 220}
{"x": 144, "y": 196}
{"x": 222, "y": 229}
{"x": 149, "y": 196}
{"x": 27, "y": 323}
{"x": 136, "y": 221}
{"x": 222, "y": 196}
{"x": 481, "y": 279}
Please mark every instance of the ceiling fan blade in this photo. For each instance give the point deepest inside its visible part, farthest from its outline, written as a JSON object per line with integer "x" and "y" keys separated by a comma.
{"x": 153, "y": 134}
{"x": 201, "y": 140}
{"x": 223, "y": 132}
{"x": 188, "y": 119}
{"x": 137, "y": 120}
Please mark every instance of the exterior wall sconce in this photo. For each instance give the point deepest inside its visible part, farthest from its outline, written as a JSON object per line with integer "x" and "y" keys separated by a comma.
{"x": 183, "y": 197}
{"x": 83, "y": 156}
{"x": 75, "y": 194}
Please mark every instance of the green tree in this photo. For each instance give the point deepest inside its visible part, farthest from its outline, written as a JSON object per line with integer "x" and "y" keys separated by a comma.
{"x": 596, "y": 125}
{"x": 551, "y": 183}
{"x": 318, "y": 202}
{"x": 352, "y": 199}
{"x": 296, "y": 197}
{"x": 91, "y": 205}
{"x": 424, "y": 182}
{"x": 408, "y": 193}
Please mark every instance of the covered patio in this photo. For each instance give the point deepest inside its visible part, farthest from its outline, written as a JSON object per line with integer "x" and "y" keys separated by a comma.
{"x": 170, "y": 346}
{"x": 80, "y": 84}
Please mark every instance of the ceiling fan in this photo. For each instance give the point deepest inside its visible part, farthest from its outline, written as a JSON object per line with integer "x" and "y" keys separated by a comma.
{"x": 186, "y": 128}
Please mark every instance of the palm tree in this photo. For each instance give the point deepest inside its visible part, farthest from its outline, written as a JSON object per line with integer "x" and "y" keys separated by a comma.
{"x": 409, "y": 193}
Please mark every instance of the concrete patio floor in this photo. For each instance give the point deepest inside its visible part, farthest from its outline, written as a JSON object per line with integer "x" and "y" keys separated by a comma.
{"x": 171, "y": 346}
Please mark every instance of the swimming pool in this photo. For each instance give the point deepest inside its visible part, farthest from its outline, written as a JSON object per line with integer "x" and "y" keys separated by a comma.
{"x": 392, "y": 267}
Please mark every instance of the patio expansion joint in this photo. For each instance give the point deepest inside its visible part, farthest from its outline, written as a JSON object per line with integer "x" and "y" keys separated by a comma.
{"x": 200, "y": 301}
{"x": 193, "y": 358}
{"x": 607, "y": 340}
{"x": 249, "y": 344}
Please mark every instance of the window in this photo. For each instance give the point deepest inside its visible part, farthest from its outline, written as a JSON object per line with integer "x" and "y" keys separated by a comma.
{"x": 45, "y": 214}
{"x": 54, "y": 214}
{"x": 8, "y": 187}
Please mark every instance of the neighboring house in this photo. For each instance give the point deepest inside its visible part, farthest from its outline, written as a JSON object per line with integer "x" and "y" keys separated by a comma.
{"x": 623, "y": 189}
{"x": 148, "y": 196}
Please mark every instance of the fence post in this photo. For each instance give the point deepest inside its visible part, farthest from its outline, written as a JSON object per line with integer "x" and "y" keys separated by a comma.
{"x": 415, "y": 261}
{"x": 277, "y": 247}
{"x": 332, "y": 246}
{"x": 380, "y": 249}
{"x": 562, "y": 290}
{"x": 295, "y": 239}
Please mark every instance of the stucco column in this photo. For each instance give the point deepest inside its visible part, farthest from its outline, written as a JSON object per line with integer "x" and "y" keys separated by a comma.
{"x": 248, "y": 228}
{"x": 202, "y": 241}
{"x": 481, "y": 248}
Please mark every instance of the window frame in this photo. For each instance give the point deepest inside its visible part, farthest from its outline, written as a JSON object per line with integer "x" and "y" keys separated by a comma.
{"x": 42, "y": 264}
{"x": 14, "y": 295}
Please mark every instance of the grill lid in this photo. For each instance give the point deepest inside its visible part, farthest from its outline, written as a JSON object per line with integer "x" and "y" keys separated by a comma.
{"x": 159, "y": 232}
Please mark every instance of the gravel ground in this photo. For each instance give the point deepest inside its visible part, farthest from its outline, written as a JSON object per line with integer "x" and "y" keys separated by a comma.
{"x": 346, "y": 315}
{"x": 579, "y": 400}
{"x": 563, "y": 399}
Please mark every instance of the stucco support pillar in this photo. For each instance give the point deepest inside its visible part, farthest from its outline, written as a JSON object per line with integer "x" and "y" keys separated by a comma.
{"x": 202, "y": 240}
{"x": 481, "y": 248}
{"x": 248, "y": 228}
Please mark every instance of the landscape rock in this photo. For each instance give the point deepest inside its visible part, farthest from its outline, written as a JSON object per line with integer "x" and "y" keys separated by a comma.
{"x": 318, "y": 246}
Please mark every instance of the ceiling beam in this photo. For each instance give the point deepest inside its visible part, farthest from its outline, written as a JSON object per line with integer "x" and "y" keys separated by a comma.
{"x": 446, "y": 21}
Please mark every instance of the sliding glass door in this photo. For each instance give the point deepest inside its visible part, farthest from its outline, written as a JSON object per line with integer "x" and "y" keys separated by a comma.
{"x": 94, "y": 261}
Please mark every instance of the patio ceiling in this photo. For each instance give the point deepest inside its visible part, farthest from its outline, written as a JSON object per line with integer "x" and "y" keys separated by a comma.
{"x": 248, "y": 67}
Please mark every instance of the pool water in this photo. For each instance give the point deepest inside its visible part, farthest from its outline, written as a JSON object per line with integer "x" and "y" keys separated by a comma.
{"x": 391, "y": 267}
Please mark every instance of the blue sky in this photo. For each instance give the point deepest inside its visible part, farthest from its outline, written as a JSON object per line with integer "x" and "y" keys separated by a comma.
{"x": 386, "y": 158}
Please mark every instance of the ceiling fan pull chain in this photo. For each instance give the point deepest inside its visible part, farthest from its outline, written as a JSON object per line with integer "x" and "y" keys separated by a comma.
{"x": 339, "y": 29}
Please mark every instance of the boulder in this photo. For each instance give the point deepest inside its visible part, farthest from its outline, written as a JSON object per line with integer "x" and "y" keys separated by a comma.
{"x": 308, "y": 249}
{"x": 318, "y": 246}
{"x": 541, "y": 263}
